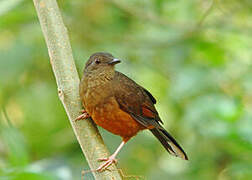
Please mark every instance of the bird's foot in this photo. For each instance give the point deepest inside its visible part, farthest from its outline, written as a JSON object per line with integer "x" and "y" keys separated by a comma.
{"x": 84, "y": 115}
{"x": 107, "y": 163}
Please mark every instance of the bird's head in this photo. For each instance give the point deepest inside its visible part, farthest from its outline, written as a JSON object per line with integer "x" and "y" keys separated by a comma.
{"x": 101, "y": 61}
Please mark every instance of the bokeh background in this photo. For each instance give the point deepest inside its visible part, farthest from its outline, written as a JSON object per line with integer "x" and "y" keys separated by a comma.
{"x": 194, "y": 56}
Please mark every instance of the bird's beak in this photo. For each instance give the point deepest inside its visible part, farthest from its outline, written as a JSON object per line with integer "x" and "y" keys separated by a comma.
{"x": 114, "y": 61}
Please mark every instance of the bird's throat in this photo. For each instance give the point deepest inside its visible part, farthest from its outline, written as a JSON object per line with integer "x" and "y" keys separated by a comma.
{"x": 95, "y": 87}
{"x": 99, "y": 78}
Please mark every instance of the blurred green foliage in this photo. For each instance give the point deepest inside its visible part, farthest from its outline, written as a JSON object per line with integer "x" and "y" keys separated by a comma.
{"x": 194, "y": 56}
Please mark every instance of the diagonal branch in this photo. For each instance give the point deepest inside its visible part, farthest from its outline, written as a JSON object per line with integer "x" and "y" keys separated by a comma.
{"x": 67, "y": 79}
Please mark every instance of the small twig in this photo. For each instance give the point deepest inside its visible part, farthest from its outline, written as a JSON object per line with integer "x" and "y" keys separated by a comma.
{"x": 183, "y": 37}
{"x": 205, "y": 15}
{"x": 194, "y": 30}
{"x": 7, "y": 117}
{"x": 141, "y": 14}
{"x": 130, "y": 176}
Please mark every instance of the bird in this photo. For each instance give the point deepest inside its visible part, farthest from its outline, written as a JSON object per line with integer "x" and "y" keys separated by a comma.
{"x": 121, "y": 106}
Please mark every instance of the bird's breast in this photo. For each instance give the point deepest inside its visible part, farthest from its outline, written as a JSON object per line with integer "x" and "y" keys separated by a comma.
{"x": 109, "y": 116}
{"x": 100, "y": 103}
{"x": 94, "y": 91}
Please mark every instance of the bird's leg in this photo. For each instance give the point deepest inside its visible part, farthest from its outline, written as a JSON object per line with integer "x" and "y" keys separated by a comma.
{"x": 84, "y": 115}
{"x": 110, "y": 160}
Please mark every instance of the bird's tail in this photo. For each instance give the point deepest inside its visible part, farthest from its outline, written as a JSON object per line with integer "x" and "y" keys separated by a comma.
{"x": 169, "y": 142}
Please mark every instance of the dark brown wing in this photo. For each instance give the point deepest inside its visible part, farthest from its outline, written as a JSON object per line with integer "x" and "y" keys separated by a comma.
{"x": 139, "y": 103}
{"x": 150, "y": 96}
{"x": 135, "y": 100}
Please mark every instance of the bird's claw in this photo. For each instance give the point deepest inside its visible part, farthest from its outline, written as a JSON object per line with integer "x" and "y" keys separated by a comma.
{"x": 108, "y": 162}
{"x": 83, "y": 111}
{"x": 84, "y": 115}
{"x": 106, "y": 159}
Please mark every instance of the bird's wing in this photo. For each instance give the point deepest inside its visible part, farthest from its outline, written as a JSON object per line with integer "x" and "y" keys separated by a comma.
{"x": 150, "y": 96}
{"x": 139, "y": 103}
{"x": 135, "y": 100}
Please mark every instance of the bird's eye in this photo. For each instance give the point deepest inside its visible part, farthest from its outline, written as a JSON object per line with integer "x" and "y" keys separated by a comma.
{"x": 97, "y": 61}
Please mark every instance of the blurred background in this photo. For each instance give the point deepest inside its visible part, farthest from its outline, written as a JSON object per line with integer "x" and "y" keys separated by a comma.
{"x": 194, "y": 56}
